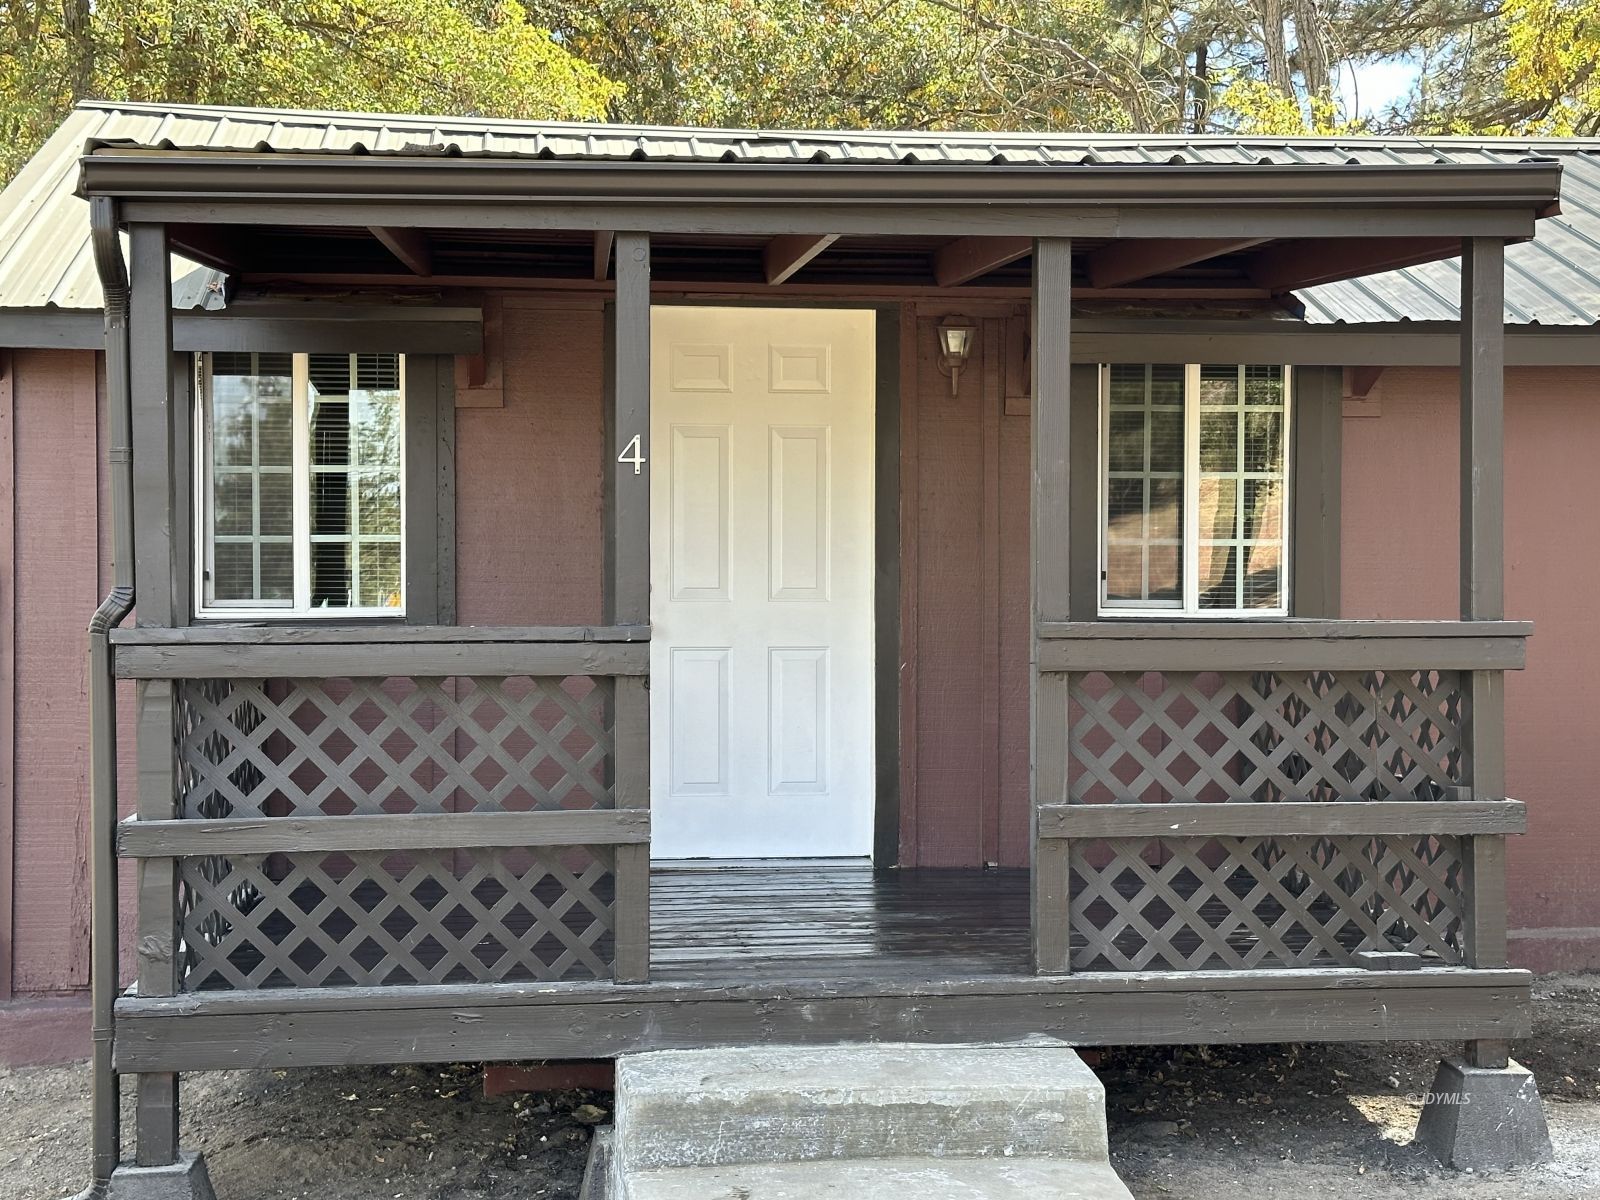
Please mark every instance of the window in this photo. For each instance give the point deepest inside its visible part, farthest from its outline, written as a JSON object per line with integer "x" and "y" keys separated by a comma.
{"x": 301, "y": 485}
{"x": 1194, "y": 490}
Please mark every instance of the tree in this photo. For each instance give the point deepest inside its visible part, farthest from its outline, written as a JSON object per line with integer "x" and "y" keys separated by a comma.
{"x": 441, "y": 56}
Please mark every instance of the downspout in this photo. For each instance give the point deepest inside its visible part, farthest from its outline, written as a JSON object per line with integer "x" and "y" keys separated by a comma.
{"x": 104, "y": 971}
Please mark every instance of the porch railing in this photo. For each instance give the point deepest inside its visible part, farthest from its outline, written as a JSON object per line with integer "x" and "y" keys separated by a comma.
{"x": 382, "y": 806}
{"x": 1285, "y": 794}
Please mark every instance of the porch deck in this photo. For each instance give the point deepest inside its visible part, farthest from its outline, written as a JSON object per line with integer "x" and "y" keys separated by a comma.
{"x": 836, "y": 921}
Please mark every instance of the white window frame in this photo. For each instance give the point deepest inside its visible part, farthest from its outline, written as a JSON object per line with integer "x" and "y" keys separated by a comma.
{"x": 1189, "y": 548}
{"x": 300, "y": 608}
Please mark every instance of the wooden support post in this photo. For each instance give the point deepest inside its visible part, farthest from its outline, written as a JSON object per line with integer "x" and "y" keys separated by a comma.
{"x": 1052, "y": 587}
{"x": 1482, "y": 429}
{"x": 150, "y": 375}
{"x": 628, "y": 585}
{"x": 1483, "y": 574}
{"x": 155, "y": 488}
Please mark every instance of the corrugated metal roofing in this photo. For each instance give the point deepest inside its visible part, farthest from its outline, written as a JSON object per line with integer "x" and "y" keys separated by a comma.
{"x": 1552, "y": 280}
{"x": 45, "y": 258}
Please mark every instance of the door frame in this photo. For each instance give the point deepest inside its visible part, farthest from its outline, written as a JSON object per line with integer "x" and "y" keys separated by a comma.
{"x": 886, "y": 631}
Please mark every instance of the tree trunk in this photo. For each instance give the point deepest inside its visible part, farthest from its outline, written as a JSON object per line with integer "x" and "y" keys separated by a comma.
{"x": 78, "y": 33}
{"x": 1273, "y": 42}
{"x": 1311, "y": 36}
{"x": 1202, "y": 89}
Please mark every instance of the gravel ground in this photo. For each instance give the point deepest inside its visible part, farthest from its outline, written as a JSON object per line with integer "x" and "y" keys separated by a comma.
{"x": 1188, "y": 1124}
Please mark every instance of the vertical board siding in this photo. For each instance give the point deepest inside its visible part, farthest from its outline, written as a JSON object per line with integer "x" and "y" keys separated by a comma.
{"x": 950, "y": 591}
{"x": 1406, "y": 460}
{"x": 528, "y": 476}
{"x": 8, "y": 666}
{"x": 57, "y": 577}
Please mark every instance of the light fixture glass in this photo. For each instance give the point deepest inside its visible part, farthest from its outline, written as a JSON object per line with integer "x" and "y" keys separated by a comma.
{"x": 956, "y": 339}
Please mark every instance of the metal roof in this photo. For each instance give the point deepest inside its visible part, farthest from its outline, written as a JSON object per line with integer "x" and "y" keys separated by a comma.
{"x": 45, "y": 258}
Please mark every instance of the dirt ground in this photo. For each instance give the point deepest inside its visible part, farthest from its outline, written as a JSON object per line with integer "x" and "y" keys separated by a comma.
{"x": 1197, "y": 1123}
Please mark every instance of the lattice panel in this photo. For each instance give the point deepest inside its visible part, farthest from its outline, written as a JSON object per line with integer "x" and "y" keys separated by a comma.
{"x": 337, "y": 746}
{"x": 1315, "y": 736}
{"x": 1227, "y": 903}
{"x": 394, "y": 918}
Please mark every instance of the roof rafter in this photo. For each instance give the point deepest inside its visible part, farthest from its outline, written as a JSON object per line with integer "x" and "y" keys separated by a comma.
{"x": 1302, "y": 263}
{"x": 967, "y": 258}
{"x": 410, "y": 246}
{"x": 783, "y": 256}
{"x": 1121, "y": 263}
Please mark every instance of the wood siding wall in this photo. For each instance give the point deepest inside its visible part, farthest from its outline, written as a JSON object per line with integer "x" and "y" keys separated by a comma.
{"x": 1400, "y": 457}
{"x": 529, "y": 550}
{"x": 58, "y": 531}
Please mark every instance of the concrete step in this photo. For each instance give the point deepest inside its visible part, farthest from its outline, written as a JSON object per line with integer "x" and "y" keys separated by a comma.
{"x": 705, "y": 1108}
{"x": 911, "y": 1178}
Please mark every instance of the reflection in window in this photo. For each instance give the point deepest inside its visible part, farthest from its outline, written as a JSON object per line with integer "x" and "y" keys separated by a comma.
{"x": 324, "y": 430}
{"x": 1194, "y": 488}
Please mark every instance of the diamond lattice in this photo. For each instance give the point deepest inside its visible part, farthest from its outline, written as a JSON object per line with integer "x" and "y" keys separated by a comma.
{"x": 1229, "y": 903}
{"x": 384, "y": 918}
{"x": 1314, "y": 736}
{"x": 338, "y": 746}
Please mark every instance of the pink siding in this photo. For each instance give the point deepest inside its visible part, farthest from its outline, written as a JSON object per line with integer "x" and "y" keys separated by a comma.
{"x": 58, "y": 495}
{"x": 528, "y": 476}
{"x": 1400, "y": 560}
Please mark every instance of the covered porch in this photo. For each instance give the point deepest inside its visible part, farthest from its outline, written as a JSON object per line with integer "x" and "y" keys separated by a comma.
{"x": 385, "y": 840}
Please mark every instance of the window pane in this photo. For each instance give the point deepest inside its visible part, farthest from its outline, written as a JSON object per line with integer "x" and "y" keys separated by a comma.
{"x": 356, "y": 501}
{"x": 1143, "y": 514}
{"x": 1242, "y": 487}
{"x": 249, "y": 422}
{"x": 380, "y": 575}
{"x": 330, "y": 575}
{"x": 277, "y": 571}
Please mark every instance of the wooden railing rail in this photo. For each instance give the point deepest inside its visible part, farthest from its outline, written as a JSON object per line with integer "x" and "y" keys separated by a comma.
{"x": 1283, "y": 645}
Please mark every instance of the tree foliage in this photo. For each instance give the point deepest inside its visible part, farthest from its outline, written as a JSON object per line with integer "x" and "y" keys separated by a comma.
{"x": 439, "y": 56}
{"x": 1195, "y": 66}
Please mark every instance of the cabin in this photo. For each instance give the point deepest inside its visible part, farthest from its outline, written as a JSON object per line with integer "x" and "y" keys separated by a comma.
{"x": 576, "y": 590}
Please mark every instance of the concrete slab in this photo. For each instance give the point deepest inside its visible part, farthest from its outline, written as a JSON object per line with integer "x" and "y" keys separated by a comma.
{"x": 1484, "y": 1118}
{"x": 186, "y": 1179}
{"x": 786, "y": 1104}
{"x": 945, "y": 1179}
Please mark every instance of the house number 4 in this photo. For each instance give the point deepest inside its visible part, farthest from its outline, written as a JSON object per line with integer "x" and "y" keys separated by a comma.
{"x": 631, "y": 453}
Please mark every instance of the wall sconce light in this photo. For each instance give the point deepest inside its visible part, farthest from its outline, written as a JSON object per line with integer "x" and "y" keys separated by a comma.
{"x": 956, "y": 338}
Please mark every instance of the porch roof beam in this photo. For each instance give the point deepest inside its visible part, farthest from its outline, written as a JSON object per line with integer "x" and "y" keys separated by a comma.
{"x": 1287, "y": 265}
{"x": 953, "y": 217}
{"x": 969, "y": 257}
{"x": 408, "y": 244}
{"x": 134, "y": 173}
{"x": 783, "y": 256}
{"x": 1130, "y": 261}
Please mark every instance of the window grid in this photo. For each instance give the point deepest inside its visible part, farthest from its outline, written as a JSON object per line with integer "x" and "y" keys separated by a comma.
{"x": 388, "y": 387}
{"x": 1222, "y": 476}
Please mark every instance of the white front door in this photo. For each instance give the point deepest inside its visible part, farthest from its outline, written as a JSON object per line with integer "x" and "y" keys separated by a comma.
{"x": 761, "y": 544}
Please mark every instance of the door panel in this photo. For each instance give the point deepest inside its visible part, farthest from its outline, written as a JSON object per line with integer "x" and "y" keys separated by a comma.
{"x": 761, "y": 601}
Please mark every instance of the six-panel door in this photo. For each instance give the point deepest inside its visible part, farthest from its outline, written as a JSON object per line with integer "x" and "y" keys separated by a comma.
{"x": 761, "y": 588}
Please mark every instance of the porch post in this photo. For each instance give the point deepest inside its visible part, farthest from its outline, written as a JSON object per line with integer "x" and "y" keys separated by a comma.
{"x": 627, "y": 599}
{"x": 1483, "y": 569}
{"x": 151, "y": 378}
{"x": 1052, "y": 591}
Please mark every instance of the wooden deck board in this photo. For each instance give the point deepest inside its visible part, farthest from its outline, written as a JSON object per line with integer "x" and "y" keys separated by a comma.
{"x": 828, "y": 920}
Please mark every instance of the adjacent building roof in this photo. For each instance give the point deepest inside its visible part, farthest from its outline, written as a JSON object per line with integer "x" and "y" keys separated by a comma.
{"x": 45, "y": 259}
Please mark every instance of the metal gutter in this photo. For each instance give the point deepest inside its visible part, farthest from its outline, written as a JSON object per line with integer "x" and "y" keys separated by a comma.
{"x": 104, "y": 969}
{"x": 265, "y": 175}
